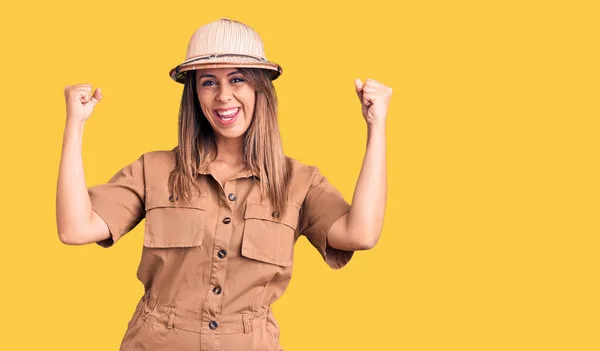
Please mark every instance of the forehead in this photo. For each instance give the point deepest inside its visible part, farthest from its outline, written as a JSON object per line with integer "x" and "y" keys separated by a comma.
{"x": 216, "y": 72}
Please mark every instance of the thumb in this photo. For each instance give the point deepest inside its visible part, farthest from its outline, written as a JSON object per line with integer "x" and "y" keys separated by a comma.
{"x": 358, "y": 84}
{"x": 97, "y": 96}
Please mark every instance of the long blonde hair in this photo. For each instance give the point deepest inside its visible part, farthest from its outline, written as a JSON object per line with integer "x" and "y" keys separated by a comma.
{"x": 263, "y": 151}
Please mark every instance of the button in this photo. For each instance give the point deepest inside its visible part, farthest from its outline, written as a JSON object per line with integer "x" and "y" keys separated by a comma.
{"x": 217, "y": 290}
{"x": 221, "y": 254}
{"x": 171, "y": 198}
{"x": 226, "y": 220}
{"x": 213, "y": 325}
{"x": 231, "y": 197}
{"x": 275, "y": 214}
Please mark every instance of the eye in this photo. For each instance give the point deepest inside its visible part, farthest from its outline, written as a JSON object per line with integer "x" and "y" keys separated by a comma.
{"x": 207, "y": 82}
{"x": 237, "y": 80}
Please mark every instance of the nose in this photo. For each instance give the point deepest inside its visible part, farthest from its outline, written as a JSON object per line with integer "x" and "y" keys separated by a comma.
{"x": 224, "y": 93}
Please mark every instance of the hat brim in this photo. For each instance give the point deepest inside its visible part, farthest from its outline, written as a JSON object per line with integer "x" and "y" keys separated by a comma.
{"x": 178, "y": 73}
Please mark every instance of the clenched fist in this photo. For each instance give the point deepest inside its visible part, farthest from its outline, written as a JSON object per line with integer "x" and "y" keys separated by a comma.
{"x": 80, "y": 101}
{"x": 375, "y": 99}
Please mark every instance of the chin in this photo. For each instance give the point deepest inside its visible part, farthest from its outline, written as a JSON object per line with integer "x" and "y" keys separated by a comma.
{"x": 230, "y": 134}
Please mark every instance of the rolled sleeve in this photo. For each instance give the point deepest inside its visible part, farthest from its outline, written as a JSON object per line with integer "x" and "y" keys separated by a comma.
{"x": 120, "y": 202}
{"x": 322, "y": 207}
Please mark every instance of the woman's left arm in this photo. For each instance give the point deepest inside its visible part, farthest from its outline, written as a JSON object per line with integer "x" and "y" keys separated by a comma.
{"x": 361, "y": 227}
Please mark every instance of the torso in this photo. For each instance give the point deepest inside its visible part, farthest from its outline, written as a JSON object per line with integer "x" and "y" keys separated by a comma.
{"x": 211, "y": 269}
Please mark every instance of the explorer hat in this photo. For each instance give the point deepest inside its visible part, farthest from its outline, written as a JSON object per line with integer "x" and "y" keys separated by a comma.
{"x": 224, "y": 43}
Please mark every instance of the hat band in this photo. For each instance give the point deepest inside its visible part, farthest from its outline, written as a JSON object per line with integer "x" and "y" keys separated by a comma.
{"x": 213, "y": 56}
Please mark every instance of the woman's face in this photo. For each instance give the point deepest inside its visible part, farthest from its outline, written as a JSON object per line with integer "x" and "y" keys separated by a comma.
{"x": 227, "y": 101}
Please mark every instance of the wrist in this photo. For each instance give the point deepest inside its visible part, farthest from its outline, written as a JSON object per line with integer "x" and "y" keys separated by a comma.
{"x": 74, "y": 122}
{"x": 74, "y": 126}
{"x": 376, "y": 127}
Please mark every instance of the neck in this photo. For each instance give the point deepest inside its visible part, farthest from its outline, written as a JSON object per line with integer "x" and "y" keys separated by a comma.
{"x": 230, "y": 151}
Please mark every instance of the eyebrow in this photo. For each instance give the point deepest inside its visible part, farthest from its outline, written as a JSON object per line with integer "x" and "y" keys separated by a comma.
{"x": 213, "y": 76}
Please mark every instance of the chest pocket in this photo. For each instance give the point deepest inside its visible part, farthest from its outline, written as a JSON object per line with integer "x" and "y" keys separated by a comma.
{"x": 173, "y": 224}
{"x": 269, "y": 236}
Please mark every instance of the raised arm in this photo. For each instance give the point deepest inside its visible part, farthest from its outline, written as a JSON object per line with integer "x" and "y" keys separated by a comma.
{"x": 360, "y": 228}
{"x": 77, "y": 224}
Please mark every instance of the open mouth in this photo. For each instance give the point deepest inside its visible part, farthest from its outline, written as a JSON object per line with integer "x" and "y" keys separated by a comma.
{"x": 227, "y": 116}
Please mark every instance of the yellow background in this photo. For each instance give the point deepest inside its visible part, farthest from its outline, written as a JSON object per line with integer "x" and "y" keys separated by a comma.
{"x": 491, "y": 238}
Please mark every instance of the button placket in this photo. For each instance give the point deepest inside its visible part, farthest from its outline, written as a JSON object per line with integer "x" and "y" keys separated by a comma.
{"x": 223, "y": 235}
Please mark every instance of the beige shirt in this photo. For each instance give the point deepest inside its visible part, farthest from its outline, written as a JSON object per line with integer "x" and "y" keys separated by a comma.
{"x": 212, "y": 269}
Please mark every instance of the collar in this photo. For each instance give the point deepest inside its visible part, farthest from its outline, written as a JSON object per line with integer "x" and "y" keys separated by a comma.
{"x": 205, "y": 169}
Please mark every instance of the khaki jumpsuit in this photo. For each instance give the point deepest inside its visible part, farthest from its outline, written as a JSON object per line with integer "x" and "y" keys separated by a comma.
{"x": 212, "y": 269}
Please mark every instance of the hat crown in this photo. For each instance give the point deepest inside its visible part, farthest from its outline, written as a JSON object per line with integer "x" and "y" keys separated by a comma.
{"x": 221, "y": 44}
{"x": 225, "y": 36}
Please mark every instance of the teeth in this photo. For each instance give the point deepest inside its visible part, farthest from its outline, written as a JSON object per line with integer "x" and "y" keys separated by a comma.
{"x": 228, "y": 112}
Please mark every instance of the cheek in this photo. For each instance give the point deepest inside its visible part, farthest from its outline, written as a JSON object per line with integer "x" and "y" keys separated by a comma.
{"x": 250, "y": 103}
{"x": 204, "y": 105}
{"x": 207, "y": 115}
{"x": 249, "y": 110}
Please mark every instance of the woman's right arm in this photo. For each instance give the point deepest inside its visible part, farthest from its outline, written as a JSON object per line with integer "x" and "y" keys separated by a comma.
{"x": 77, "y": 223}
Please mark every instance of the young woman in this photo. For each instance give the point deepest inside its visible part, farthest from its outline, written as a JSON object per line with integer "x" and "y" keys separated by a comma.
{"x": 224, "y": 208}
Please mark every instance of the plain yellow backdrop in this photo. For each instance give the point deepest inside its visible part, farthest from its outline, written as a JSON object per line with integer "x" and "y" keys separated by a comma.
{"x": 491, "y": 237}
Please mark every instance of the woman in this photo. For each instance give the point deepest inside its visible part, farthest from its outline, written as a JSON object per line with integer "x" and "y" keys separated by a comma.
{"x": 225, "y": 207}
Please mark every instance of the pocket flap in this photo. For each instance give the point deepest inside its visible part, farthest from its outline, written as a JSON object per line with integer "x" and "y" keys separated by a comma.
{"x": 265, "y": 212}
{"x": 156, "y": 198}
{"x": 269, "y": 237}
{"x": 172, "y": 224}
